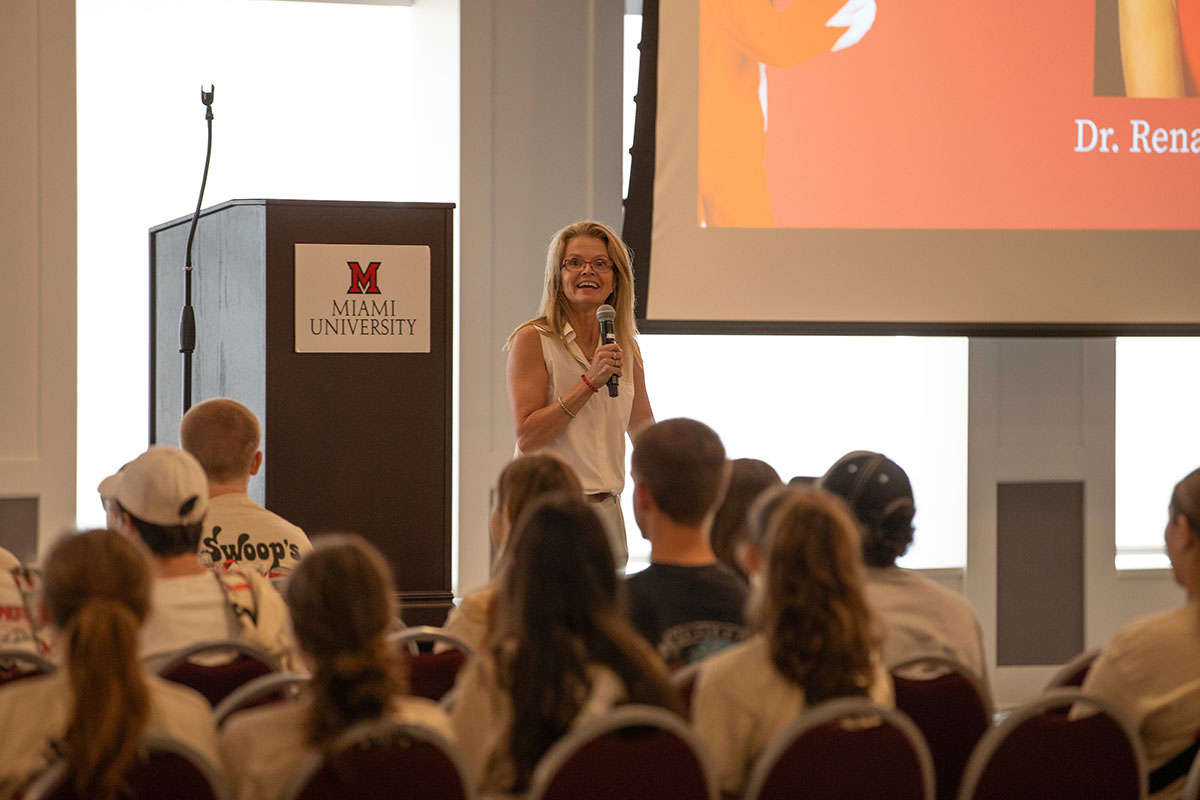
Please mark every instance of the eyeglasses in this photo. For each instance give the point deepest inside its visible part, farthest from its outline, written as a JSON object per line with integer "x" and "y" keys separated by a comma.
{"x": 575, "y": 264}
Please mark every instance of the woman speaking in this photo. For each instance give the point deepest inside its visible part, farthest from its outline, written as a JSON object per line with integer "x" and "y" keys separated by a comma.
{"x": 558, "y": 369}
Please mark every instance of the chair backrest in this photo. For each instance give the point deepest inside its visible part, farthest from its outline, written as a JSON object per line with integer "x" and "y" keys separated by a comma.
{"x": 384, "y": 760}
{"x": 632, "y": 752}
{"x": 1073, "y": 672}
{"x": 1191, "y": 787}
{"x": 431, "y": 673}
{"x": 1038, "y": 751}
{"x": 684, "y": 679}
{"x": 845, "y": 749}
{"x": 167, "y": 770}
{"x": 949, "y": 705}
{"x": 217, "y": 680}
{"x": 16, "y": 665}
{"x": 276, "y": 687}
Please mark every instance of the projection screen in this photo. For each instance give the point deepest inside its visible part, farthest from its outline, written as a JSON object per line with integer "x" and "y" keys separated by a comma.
{"x": 979, "y": 168}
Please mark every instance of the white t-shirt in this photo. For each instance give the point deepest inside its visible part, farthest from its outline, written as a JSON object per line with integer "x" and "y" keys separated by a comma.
{"x": 35, "y": 712}
{"x": 185, "y": 611}
{"x": 922, "y": 617}
{"x": 264, "y": 746}
{"x": 742, "y": 701}
{"x": 238, "y": 529}
{"x": 1151, "y": 671}
{"x": 16, "y": 624}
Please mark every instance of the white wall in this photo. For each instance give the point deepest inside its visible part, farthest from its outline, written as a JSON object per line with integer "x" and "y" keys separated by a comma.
{"x": 37, "y": 268}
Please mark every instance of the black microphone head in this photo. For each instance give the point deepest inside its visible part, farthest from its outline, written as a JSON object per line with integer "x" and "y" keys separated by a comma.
{"x": 606, "y": 313}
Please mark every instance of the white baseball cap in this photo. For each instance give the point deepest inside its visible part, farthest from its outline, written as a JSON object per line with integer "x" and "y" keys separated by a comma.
{"x": 163, "y": 486}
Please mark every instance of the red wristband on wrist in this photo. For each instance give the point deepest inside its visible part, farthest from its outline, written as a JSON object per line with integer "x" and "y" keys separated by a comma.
{"x": 588, "y": 383}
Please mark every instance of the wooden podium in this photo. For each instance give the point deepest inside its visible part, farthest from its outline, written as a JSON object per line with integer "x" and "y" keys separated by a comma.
{"x": 353, "y": 442}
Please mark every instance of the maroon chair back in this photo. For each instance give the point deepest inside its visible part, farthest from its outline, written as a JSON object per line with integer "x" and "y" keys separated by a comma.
{"x": 217, "y": 681}
{"x": 846, "y": 749}
{"x": 385, "y": 761}
{"x": 169, "y": 771}
{"x": 432, "y": 675}
{"x": 633, "y": 753}
{"x": 952, "y": 712}
{"x": 1038, "y": 752}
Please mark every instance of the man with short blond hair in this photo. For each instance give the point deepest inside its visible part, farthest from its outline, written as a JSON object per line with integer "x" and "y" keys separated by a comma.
{"x": 224, "y": 437}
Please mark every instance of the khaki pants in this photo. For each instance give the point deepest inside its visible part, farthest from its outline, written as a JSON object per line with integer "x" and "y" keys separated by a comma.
{"x": 609, "y": 511}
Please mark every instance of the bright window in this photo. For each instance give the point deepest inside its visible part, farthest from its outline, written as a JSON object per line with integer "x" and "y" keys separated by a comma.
{"x": 801, "y": 402}
{"x": 1157, "y": 440}
{"x": 321, "y": 101}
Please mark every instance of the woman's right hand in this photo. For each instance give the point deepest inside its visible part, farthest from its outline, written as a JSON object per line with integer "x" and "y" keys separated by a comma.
{"x": 606, "y": 362}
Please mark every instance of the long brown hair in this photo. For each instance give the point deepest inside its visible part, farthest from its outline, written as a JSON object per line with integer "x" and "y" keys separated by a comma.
{"x": 564, "y": 612}
{"x": 813, "y": 611}
{"x": 97, "y": 590}
{"x": 343, "y": 604}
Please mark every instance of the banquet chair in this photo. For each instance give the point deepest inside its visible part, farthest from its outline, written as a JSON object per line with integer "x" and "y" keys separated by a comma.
{"x": 1073, "y": 672}
{"x": 192, "y": 666}
{"x": 167, "y": 769}
{"x": 275, "y": 687}
{"x": 634, "y": 752}
{"x": 1042, "y": 752}
{"x": 384, "y": 760}
{"x": 845, "y": 749}
{"x": 1191, "y": 787}
{"x": 17, "y": 665}
{"x": 431, "y": 673}
{"x": 684, "y": 679}
{"x": 950, "y": 706}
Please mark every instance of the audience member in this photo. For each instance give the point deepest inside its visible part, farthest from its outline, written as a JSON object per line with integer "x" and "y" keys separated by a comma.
{"x": 1151, "y": 669}
{"x": 95, "y": 710}
{"x": 686, "y": 603}
{"x": 564, "y": 652}
{"x": 814, "y": 639}
{"x": 161, "y": 498}
{"x": 224, "y": 436}
{"x": 748, "y": 477}
{"x": 19, "y": 625}
{"x": 919, "y": 616}
{"x": 343, "y": 602}
{"x": 523, "y": 480}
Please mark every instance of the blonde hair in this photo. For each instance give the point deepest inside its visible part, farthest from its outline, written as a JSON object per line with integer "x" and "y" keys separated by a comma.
{"x": 552, "y": 315}
{"x": 97, "y": 589}
{"x": 223, "y": 435}
{"x": 814, "y": 614}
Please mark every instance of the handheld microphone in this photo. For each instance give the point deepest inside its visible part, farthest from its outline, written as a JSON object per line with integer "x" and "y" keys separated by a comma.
{"x": 605, "y": 314}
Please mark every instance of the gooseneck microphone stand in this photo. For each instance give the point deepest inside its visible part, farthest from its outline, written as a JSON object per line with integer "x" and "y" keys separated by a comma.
{"x": 187, "y": 321}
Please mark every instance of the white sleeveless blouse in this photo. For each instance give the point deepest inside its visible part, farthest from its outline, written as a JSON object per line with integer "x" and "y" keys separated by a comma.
{"x": 594, "y": 442}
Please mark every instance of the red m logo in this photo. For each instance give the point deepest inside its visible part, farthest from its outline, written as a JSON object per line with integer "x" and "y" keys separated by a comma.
{"x": 363, "y": 282}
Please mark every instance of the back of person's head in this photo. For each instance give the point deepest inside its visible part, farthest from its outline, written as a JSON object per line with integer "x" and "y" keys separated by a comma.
{"x": 748, "y": 478}
{"x": 880, "y": 496}
{"x": 564, "y": 611}
{"x": 812, "y": 607}
{"x": 343, "y": 604}
{"x": 1185, "y": 500}
{"x": 529, "y": 477}
{"x": 165, "y": 493}
{"x": 223, "y": 435}
{"x": 97, "y": 592}
{"x": 681, "y": 462}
